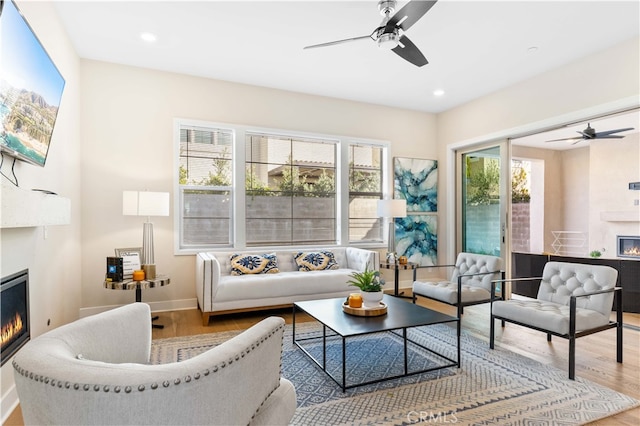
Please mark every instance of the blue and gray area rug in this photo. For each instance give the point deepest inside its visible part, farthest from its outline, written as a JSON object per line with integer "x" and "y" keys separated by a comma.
{"x": 491, "y": 387}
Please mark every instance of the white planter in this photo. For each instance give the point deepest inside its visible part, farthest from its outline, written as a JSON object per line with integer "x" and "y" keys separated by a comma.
{"x": 371, "y": 299}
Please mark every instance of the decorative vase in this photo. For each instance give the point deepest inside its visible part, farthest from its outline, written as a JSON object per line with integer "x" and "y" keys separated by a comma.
{"x": 371, "y": 299}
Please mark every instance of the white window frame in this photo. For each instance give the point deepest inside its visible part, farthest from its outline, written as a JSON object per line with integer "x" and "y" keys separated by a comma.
{"x": 238, "y": 233}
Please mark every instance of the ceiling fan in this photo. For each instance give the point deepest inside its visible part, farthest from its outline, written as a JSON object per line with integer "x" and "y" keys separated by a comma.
{"x": 590, "y": 133}
{"x": 390, "y": 33}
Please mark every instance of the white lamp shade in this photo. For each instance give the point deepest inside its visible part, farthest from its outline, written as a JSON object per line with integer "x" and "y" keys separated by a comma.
{"x": 145, "y": 203}
{"x": 392, "y": 208}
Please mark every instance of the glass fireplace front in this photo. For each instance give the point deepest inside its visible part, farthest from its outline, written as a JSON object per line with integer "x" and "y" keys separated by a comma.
{"x": 14, "y": 300}
{"x": 629, "y": 246}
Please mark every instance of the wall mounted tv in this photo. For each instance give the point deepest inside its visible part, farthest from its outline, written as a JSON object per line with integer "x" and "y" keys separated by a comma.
{"x": 30, "y": 89}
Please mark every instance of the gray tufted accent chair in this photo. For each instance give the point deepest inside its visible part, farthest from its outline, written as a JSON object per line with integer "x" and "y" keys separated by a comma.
{"x": 96, "y": 371}
{"x": 470, "y": 282}
{"x": 573, "y": 300}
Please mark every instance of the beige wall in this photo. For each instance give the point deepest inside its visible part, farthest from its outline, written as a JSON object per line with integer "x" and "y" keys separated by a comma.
{"x": 127, "y": 119}
{"x": 583, "y": 183}
{"x": 54, "y": 262}
{"x": 588, "y": 86}
{"x": 553, "y": 188}
{"x": 614, "y": 163}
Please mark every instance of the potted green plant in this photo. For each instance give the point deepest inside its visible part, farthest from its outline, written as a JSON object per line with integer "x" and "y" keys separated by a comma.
{"x": 370, "y": 284}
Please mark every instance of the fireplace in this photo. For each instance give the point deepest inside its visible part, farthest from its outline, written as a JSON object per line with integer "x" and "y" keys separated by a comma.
{"x": 14, "y": 301}
{"x": 628, "y": 246}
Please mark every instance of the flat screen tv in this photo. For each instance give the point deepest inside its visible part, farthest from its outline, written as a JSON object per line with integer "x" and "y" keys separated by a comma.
{"x": 30, "y": 89}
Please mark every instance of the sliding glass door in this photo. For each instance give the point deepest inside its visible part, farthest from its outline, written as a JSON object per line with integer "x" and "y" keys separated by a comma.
{"x": 483, "y": 179}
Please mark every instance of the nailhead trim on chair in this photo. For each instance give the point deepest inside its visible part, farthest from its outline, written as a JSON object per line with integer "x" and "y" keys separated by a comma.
{"x": 154, "y": 385}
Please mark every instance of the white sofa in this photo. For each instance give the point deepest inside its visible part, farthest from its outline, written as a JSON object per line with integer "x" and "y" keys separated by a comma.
{"x": 219, "y": 292}
{"x": 96, "y": 371}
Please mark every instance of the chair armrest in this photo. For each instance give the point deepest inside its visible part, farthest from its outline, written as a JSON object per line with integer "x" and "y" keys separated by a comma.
{"x": 493, "y": 290}
{"x": 434, "y": 266}
{"x": 573, "y": 299}
{"x": 592, "y": 293}
{"x": 508, "y": 280}
{"x": 207, "y": 279}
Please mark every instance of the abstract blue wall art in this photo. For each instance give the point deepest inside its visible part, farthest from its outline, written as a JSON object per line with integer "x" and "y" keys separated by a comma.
{"x": 416, "y": 181}
{"x": 417, "y": 238}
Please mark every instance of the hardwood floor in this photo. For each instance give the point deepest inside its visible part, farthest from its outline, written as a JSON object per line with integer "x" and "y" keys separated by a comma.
{"x": 595, "y": 354}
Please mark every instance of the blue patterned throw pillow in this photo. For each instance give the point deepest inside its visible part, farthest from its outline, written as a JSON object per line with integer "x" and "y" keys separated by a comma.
{"x": 316, "y": 261}
{"x": 242, "y": 264}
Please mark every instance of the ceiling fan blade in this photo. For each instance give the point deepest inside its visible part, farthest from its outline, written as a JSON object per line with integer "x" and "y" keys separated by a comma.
{"x": 577, "y": 139}
{"x": 609, "y": 137}
{"x": 409, "y": 14}
{"x": 331, "y": 43}
{"x": 410, "y": 52}
{"x": 602, "y": 135}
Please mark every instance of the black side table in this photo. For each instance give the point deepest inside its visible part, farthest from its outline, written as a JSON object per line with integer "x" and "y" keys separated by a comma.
{"x": 130, "y": 284}
{"x": 397, "y": 267}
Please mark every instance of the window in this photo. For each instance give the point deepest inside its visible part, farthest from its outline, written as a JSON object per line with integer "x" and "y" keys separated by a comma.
{"x": 365, "y": 189}
{"x": 291, "y": 191}
{"x": 205, "y": 186}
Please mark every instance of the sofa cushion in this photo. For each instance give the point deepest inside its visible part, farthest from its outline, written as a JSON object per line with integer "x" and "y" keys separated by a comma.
{"x": 297, "y": 284}
{"x": 315, "y": 261}
{"x": 242, "y": 264}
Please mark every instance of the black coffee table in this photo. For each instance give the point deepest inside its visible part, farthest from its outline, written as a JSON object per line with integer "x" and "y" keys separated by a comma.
{"x": 400, "y": 315}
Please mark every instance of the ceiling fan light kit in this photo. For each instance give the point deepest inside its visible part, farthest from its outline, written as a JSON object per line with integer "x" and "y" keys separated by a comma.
{"x": 390, "y": 33}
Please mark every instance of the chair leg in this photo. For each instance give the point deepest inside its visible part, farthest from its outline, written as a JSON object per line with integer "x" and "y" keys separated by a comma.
{"x": 572, "y": 358}
{"x": 619, "y": 327}
{"x": 619, "y": 342}
{"x": 492, "y": 331}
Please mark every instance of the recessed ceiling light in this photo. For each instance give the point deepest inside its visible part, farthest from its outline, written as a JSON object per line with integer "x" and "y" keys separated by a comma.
{"x": 438, "y": 92}
{"x": 148, "y": 37}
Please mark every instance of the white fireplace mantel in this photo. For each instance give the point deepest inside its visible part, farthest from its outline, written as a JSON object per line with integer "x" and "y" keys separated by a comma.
{"x": 621, "y": 216}
{"x": 25, "y": 208}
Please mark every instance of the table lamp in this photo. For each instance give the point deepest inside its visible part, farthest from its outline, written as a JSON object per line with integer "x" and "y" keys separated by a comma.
{"x": 392, "y": 209}
{"x": 145, "y": 203}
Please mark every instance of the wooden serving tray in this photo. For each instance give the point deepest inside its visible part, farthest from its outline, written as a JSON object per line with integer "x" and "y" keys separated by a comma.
{"x": 365, "y": 312}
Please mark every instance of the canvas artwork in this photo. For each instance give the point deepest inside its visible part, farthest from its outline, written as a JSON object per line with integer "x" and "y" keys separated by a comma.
{"x": 416, "y": 181}
{"x": 417, "y": 238}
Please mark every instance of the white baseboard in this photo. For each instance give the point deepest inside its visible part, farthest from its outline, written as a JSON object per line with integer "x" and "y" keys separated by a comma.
{"x": 9, "y": 403}
{"x": 169, "y": 305}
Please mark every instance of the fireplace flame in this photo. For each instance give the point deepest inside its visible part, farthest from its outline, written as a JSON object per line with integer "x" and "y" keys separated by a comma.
{"x": 12, "y": 329}
{"x": 633, "y": 251}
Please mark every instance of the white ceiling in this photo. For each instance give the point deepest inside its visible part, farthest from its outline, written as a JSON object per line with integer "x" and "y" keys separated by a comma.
{"x": 473, "y": 47}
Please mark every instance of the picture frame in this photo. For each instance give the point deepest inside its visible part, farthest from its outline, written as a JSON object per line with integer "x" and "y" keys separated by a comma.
{"x": 131, "y": 260}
